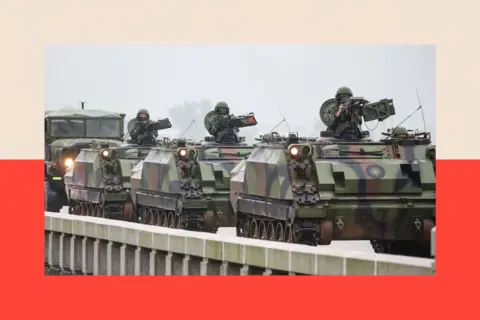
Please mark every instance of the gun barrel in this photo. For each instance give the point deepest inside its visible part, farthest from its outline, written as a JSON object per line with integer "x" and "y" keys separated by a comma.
{"x": 243, "y": 121}
{"x": 160, "y": 124}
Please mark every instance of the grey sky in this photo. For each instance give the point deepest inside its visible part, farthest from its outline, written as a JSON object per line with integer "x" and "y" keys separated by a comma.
{"x": 258, "y": 78}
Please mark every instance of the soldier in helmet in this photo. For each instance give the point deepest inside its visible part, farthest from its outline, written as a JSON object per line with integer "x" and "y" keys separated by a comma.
{"x": 222, "y": 108}
{"x": 138, "y": 131}
{"x": 431, "y": 155}
{"x": 342, "y": 116}
{"x": 343, "y": 94}
{"x": 399, "y": 133}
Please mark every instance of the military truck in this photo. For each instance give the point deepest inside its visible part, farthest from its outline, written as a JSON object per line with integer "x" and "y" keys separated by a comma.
{"x": 67, "y": 131}
{"x": 98, "y": 182}
{"x": 344, "y": 186}
{"x": 187, "y": 186}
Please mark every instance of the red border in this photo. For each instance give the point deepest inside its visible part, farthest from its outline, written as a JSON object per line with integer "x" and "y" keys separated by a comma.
{"x": 27, "y": 293}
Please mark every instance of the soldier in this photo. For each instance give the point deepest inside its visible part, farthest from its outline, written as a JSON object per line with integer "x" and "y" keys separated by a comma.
{"x": 222, "y": 108}
{"x": 343, "y": 116}
{"x": 138, "y": 131}
{"x": 343, "y": 94}
{"x": 400, "y": 133}
{"x": 431, "y": 155}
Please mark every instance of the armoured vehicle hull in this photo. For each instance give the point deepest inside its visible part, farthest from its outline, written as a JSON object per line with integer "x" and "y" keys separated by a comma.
{"x": 329, "y": 195}
{"x": 343, "y": 186}
{"x": 187, "y": 187}
{"x": 99, "y": 181}
{"x": 98, "y": 184}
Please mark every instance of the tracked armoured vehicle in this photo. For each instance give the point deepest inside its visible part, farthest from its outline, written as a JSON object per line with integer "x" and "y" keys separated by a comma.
{"x": 67, "y": 131}
{"x": 187, "y": 186}
{"x": 98, "y": 183}
{"x": 344, "y": 186}
{"x": 408, "y": 145}
{"x": 411, "y": 144}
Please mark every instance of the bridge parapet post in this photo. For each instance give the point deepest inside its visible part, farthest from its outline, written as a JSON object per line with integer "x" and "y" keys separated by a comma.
{"x": 96, "y": 246}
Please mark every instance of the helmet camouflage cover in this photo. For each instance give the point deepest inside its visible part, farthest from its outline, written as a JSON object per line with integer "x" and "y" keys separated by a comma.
{"x": 343, "y": 91}
{"x": 222, "y": 107}
{"x": 143, "y": 115}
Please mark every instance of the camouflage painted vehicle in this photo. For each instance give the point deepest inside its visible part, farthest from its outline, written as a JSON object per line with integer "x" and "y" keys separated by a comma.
{"x": 344, "y": 186}
{"x": 187, "y": 186}
{"x": 410, "y": 144}
{"x": 432, "y": 156}
{"x": 98, "y": 183}
{"x": 67, "y": 131}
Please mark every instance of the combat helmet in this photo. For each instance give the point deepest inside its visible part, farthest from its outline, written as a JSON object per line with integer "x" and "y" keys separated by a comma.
{"x": 431, "y": 152}
{"x": 399, "y": 132}
{"x": 343, "y": 91}
{"x": 143, "y": 115}
{"x": 222, "y": 108}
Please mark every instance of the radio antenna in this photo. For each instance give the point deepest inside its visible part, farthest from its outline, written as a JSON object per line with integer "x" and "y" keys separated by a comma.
{"x": 282, "y": 121}
{"x": 421, "y": 109}
{"x": 181, "y": 136}
{"x": 411, "y": 114}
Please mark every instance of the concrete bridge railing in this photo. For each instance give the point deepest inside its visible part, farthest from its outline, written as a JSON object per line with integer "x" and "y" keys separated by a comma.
{"x": 434, "y": 247}
{"x": 434, "y": 241}
{"x": 95, "y": 246}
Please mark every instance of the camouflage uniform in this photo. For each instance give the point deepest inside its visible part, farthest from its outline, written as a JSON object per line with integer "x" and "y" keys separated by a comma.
{"x": 222, "y": 109}
{"x": 138, "y": 132}
{"x": 342, "y": 94}
{"x": 342, "y": 118}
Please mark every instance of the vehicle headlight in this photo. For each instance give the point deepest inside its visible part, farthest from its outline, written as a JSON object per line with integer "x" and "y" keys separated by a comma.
{"x": 294, "y": 151}
{"x": 68, "y": 162}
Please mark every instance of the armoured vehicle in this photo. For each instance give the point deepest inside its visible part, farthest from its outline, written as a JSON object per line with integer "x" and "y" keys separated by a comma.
{"x": 98, "y": 182}
{"x": 415, "y": 145}
{"x": 432, "y": 156}
{"x": 67, "y": 131}
{"x": 344, "y": 186}
{"x": 187, "y": 186}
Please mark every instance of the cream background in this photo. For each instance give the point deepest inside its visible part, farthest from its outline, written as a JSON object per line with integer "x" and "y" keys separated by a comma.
{"x": 25, "y": 28}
